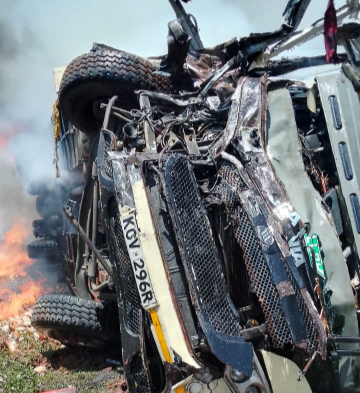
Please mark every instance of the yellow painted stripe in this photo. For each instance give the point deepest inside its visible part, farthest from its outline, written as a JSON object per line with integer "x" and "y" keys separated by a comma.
{"x": 162, "y": 342}
{"x": 160, "y": 335}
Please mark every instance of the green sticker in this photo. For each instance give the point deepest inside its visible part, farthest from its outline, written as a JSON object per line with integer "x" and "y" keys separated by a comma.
{"x": 313, "y": 249}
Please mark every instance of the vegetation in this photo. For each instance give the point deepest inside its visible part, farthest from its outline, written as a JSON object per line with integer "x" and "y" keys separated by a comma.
{"x": 34, "y": 364}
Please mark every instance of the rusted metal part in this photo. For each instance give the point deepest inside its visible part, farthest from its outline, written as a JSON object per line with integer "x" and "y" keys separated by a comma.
{"x": 233, "y": 120}
{"x": 218, "y": 74}
{"x": 69, "y": 259}
{"x": 92, "y": 266}
{"x": 190, "y": 140}
{"x": 108, "y": 112}
{"x": 254, "y": 333}
{"x": 306, "y": 368}
{"x": 323, "y": 315}
{"x": 56, "y": 120}
{"x": 117, "y": 112}
{"x": 202, "y": 67}
{"x": 284, "y": 288}
{"x": 207, "y": 72}
{"x": 316, "y": 317}
{"x": 165, "y": 99}
{"x": 149, "y": 131}
{"x": 289, "y": 64}
{"x": 82, "y": 253}
{"x": 83, "y": 234}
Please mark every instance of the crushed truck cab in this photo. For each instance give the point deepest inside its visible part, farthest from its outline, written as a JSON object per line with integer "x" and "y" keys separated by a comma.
{"x": 214, "y": 237}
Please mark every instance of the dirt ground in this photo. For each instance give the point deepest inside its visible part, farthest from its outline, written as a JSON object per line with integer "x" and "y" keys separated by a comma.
{"x": 30, "y": 362}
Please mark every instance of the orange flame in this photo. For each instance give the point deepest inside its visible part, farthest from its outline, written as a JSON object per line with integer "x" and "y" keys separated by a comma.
{"x": 26, "y": 295}
{"x": 13, "y": 257}
{"x": 13, "y": 264}
{"x": 17, "y": 288}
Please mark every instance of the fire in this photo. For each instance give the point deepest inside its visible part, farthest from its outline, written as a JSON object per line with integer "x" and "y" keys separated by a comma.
{"x": 13, "y": 257}
{"x": 17, "y": 286}
{"x": 15, "y": 291}
{"x": 25, "y": 295}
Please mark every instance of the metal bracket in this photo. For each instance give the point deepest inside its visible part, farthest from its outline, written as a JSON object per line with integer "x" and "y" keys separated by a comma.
{"x": 149, "y": 131}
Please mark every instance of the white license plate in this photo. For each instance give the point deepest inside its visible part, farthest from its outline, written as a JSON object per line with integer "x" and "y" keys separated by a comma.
{"x": 137, "y": 259}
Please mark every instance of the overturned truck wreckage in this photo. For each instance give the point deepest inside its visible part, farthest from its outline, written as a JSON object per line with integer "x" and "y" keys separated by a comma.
{"x": 216, "y": 239}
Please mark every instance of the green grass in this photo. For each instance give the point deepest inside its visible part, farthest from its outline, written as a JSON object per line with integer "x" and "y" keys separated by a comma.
{"x": 65, "y": 367}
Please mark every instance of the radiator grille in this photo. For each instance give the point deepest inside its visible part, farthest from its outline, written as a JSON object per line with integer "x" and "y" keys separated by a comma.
{"x": 108, "y": 168}
{"x": 202, "y": 259}
{"x": 131, "y": 295}
{"x": 261, "y": 280}
{"x": 139, "y": 374}
{"x": 228, "y": 188}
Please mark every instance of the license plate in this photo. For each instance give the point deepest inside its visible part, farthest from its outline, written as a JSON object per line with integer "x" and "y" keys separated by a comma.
{"x": 137, "y": 259}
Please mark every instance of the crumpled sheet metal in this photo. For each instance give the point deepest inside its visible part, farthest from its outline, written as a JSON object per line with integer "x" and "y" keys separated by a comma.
{"x": 202, "y": 67}
{"x": 284, "y": 153}
{"x": 246, "y": 122}
{"x": 233, "y": 120}
{"x": 245, "y": 115}
{"x": 248, "y": 137}
{"x": 246, "y": 132}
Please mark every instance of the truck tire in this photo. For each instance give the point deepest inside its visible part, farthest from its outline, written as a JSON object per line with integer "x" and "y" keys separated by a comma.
{"x": 99, "y": 75}
{"x": 44, "y": 248}
{"x": 76, "y": 322}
